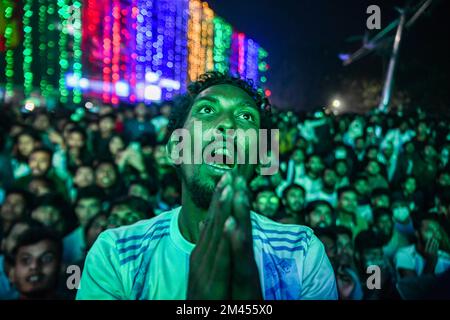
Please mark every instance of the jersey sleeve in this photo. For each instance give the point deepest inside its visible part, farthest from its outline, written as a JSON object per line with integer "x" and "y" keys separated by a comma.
{"x": 101, "y": 278}
{"x": 319, "y": 282}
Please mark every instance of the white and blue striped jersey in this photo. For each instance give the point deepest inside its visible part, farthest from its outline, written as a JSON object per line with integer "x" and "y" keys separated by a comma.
{"x": 150, "y": 260}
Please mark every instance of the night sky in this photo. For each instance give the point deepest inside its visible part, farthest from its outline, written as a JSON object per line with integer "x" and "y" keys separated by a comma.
{"x": 304, "y": 38}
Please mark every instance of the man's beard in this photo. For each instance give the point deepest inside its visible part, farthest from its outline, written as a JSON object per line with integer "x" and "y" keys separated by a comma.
{"x": 201, "y": 193}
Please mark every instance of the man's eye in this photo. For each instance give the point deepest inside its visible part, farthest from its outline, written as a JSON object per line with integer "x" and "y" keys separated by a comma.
{"x": 206, "y": 110}
{"x": 247, "y": 117}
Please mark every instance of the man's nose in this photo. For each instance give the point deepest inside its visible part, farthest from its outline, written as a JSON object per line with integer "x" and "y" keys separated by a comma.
{"x": 226, "y": 122}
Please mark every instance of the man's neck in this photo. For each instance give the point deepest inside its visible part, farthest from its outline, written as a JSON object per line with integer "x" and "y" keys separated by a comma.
{"x": 190, "y": 217}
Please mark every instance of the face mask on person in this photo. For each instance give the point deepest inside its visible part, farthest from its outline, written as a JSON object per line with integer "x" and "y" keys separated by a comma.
{"x": 401, "y": 214}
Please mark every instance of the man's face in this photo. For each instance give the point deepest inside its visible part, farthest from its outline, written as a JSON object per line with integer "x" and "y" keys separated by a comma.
{"x": 36, "y": 268}
{"x": 295, "y": 200}
{"x": 75, "y": 140}
{"x": 13, "y": 208}
{"x": 106, "y": 125}
{"x": 221, "y": 107}
{"x": 315, "y": 165}
{"x": 329, "y": 178}
{"x": 381, "y": 201}
{"x": 105, "y": 176}
{"x": 385, "y": 226}
{"x": 348, "y": 201}
{"x": 122, "y": 215}
{"x": 98, "y": 225}
{"x": 39, "y": 187}
{"x": 341, "y": 168}
{"x": 410, "y": 186}
{"x": 344, "y": 245}
{"x": 430, "y": 229}
{"x": 409, "y": 148}
{"x": 373, "y": 256}
{"x": 444, "y": 179}
{"x": 39, "y": 163}
{"x": 48, "y": 216}
{"x": 267, "y": 203}
{"x": 362, "y": 187}
{"x": 86, "y": 209}
{"x": 171, "y": 195}
{"x": 25, "y": 145}
{"x": 320, "y": 216}
{"x": 84, "y": 177}
{"x": 373, "y": 168}
{"x": 298, "y": 156}
{"x": 41, "y": 122}
{"x": 139, "y": 191}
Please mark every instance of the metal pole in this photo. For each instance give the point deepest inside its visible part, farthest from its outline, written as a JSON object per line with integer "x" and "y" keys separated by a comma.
{"x": 387, "y": 90}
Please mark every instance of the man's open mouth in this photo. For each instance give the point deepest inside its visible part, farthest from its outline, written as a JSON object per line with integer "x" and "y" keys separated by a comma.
{"x": 35, "y": 278}
{"x": 221, "y": 158}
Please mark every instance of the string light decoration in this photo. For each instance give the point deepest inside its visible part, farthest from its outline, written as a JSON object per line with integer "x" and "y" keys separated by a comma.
{"x": 251, "y": 61}
{"x": 52, "y": 49}
{"x": 208, "y": 36}
{"x": 150, "y": 49}
{"x": 130, "y": 35}
{"x": 222, "y": 45}
{"x": 77, "y": 52}
{"x": 42, "y": 13}
{"x": 115, "y": 59}
{"x": 181, "y": 43}
{"x": 262, "y": 64}
{"x": 107, "y": 45}
{"x": 8, "y": 6}
{"x": 194, "y": 39}
{"x": 63, "y": 11}
{"x": 27, "y": 46}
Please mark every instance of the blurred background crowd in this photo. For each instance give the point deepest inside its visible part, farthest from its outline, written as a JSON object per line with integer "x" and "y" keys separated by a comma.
{"x": 375, "y": 188}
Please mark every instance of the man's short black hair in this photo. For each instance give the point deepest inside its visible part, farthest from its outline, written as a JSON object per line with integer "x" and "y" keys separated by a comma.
{"x": 88, "y": 193}
{"x": 45, "y": 150}
{"x": 378, "y": 213}
{"x": 313, "y": 204}
{"x": 380, "y": 192}
{"x": 38, "y": 234}
{"x": 343, "y": 230}
{"x": 293, "y": 186}
{"x": 183, "y": 104}
{"x": 345, "y": 189}
{"x": 368, "y": 239}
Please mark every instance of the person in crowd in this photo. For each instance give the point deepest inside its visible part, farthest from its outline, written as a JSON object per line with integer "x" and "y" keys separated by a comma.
{"x": 197, "y": 234}
{"x": 36, "y": 263}
{"x": 319, "y": 214}
{"x": 430, "y": 253}
{"x": 369, "y": 255}
{"x": 293, "y": 201}
{"x": 267, "y": 202}
{"x": 387, "y": 230}
{"x": 40, "y": 163}
{"x": 8, "y": 243}
{"x": 347, "y": 214}
{"x": 139, "y": 125}
{"x": 16, "y": 206}
{"x": 312, "y": 180}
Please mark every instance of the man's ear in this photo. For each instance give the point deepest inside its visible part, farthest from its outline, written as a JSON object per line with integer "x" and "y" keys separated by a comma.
{"x": 169, "y": 148}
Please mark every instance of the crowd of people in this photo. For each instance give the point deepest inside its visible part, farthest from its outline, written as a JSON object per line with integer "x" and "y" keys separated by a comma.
{"x": 375, "y": 188}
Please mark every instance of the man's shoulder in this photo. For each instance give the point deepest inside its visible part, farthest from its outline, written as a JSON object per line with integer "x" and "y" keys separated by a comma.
{"x": 280, "y": 236}
{"x": 140, "y": 230}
